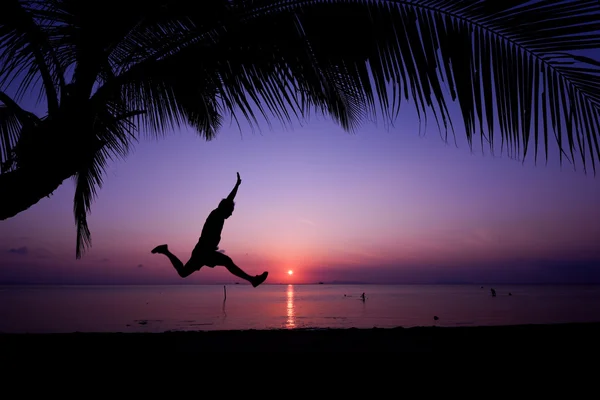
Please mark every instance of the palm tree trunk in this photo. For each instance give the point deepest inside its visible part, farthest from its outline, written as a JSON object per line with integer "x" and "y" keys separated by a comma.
{"x": 22, "y": 188}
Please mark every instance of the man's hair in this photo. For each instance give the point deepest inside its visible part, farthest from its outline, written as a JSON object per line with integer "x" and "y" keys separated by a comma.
{"x": 226, "y": 204}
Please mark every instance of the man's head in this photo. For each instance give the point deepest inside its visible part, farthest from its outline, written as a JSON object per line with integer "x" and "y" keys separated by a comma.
{"x": 226, "y": 208}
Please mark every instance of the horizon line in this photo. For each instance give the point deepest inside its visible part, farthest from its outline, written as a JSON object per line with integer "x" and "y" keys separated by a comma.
{"x": 294, "y": 284}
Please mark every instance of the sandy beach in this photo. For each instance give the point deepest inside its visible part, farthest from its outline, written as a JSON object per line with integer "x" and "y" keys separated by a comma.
{"x": 556, "y": 337}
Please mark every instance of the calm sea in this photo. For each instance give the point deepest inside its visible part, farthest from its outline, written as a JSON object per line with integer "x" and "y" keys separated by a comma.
{"x": 48, "y": 309}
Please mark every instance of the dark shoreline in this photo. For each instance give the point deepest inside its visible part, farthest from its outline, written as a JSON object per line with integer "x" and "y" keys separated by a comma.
{"x": 550, "y": 337}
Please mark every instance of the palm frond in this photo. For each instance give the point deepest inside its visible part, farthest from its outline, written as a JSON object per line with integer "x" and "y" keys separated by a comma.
{"x": 502, "y": 62}
{"x": 25, "y": 52}
{"x": 228, "y": 78}
{"x": 12, "y": 120}
{"x": 9, "y": 133}
{"x": 87, "y": 181}
{"x": 114, "y": 133}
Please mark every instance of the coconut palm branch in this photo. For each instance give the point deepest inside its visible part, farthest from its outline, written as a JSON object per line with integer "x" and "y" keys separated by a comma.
{"x": 111, "y": 71}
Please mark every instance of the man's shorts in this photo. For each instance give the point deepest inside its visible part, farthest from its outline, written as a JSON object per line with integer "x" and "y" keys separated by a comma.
{"x": 210, "y": 258}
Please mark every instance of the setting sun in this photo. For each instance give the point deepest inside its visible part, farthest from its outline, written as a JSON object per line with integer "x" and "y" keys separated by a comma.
{"x": 290, "y": 272}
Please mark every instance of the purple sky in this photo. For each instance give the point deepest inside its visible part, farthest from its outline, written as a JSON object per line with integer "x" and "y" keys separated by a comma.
{"x": 377, "y": 206}
{"x": 381, "y": 205}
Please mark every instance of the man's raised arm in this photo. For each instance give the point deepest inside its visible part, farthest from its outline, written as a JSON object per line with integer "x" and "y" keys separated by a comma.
{"x": 235, "y": 189}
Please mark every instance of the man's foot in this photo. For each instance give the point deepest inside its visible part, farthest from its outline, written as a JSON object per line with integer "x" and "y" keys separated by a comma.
{"x": 258, "y": 279}
{"x": 162, "y": 249}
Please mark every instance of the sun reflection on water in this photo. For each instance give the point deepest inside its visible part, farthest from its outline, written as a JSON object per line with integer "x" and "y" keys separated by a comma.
{"x": 291, "y": 312}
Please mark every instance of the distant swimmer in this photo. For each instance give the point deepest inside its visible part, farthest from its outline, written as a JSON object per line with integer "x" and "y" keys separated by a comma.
{"x": 207, "y": 251}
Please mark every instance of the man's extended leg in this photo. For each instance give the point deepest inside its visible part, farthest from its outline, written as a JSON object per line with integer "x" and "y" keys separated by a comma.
{"x": 221, "y": 259}
{"x": 182, "y": 270}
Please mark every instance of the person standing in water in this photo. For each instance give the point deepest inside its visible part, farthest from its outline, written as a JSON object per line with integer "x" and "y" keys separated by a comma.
{"x": 206, "y": 250}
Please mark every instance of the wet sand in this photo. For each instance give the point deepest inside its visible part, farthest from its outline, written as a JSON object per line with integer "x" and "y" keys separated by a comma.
{"x": 556, "y": 337}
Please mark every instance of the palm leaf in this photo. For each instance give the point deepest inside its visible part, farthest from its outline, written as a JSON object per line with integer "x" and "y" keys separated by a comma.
{"x": 230, "y": 77}
{"x": 25, "y": 52}
{"x": 87, "y": 181}
{"x": 12, "y": 120}
{"x": 503, "y": 62}
{"x": 9, "y": 133}
{"x": 114, "y": 134}
{"x": 498, "y": 59}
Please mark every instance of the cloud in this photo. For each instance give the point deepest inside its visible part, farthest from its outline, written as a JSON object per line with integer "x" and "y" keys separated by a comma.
{"x": 306, "y": 221}
{"x": 21, "y": 250}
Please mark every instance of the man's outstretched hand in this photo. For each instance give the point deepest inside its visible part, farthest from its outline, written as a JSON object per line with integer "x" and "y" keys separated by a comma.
{"x": 235, "y": 188}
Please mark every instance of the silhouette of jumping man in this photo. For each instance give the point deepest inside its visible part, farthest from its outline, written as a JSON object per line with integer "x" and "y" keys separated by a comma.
{"x": 205, "y": 252}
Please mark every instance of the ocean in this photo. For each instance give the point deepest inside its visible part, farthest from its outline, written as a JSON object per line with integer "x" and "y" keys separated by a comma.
{"x": 120, "y": 308}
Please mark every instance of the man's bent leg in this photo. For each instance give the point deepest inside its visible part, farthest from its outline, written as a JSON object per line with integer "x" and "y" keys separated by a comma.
{"x": 221, "y": 259}
{"x": 182, "y": 270}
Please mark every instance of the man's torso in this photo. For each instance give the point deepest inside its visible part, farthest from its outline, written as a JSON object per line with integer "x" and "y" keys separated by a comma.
{"x": 211, "y": 232}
